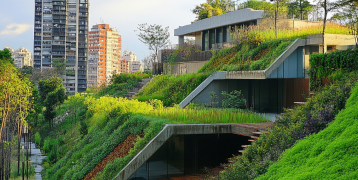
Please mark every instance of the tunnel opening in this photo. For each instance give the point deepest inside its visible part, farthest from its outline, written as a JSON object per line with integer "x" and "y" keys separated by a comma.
{"x": 189, "y": 155}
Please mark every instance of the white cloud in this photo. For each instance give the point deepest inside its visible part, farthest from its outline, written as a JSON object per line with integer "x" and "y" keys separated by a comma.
{"x": 15, "y": 29}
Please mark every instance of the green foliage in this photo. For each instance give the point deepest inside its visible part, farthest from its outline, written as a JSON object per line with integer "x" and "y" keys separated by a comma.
{"x": 212, "y": 8}
{"x": 120, "y": 84}
{"x": 233, "y": 99}
{"x": 296, "y": 124}
{"x": 323, "y": 65}
{"x": 312, "y": 157}
{"x": 171, "y": 89}
{"x": 37, "y": 138}
{"x": 5, "y": 55}
{"x": 246, "y": 57}
{"x": 48, "y": 85}
{"x": 84, "y": 128}
{"x": 27, "y": 70}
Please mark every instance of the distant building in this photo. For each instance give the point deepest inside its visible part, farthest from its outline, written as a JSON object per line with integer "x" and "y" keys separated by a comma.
{"x": 104, "y": 54}
{"x": 129, "y": 64}
{"x": 22, "y": 57}
{"x": 61, "y": 33}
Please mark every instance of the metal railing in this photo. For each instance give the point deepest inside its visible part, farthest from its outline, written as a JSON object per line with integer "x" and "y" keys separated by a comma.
{"x": 195, "y": 56}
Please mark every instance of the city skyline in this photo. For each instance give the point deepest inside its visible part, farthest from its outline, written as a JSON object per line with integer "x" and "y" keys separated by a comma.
{"x": 17, "y": 30}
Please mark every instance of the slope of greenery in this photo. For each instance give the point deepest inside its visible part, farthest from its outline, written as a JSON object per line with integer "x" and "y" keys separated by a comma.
{"x": 257, "y": 48}
{"x": 95, "y": 126}
{"x": 119, "y": 85}
{"x": 296, "y": 124}
{"x": 171, "y": 89}
{"x": 246, "y": 57}
{"x": 330, "y": 154}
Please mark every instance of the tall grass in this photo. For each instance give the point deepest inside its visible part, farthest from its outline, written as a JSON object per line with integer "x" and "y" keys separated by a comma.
{"x": 207, "y": 116}
{"x": 171, "y": 89}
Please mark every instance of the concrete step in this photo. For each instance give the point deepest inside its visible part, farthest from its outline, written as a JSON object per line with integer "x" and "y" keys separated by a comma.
{"x": 244, "y": 146}
{"x": 254, "y": 137}
{"x": 240, "y": 151}
{"x": 251, "y": 140}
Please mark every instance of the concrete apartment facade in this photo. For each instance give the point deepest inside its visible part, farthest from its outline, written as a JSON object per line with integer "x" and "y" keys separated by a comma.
{"x": 105, "y": 49}
{"x": 22, "y": 57}
{"x": 130, "y": 64}
{"x": 61, "y": 32}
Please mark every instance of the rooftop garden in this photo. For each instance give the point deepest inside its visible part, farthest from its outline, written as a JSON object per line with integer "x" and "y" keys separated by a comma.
{"x": 308, "y": 134}
{"x": 257, "y": 48}
{"x": 171, "y": 89}
{"x": 95, "y": 129}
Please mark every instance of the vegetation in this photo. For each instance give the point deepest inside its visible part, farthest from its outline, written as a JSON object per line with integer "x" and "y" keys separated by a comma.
{"x": 109, "y": 122}
{"x": 296, "y": 124}
{"x": 312, "y": 157}
{"x": 322, "y": 65}
{"x": 213, "y": 8}
{"x": 171, "y": 89}
{"x": 120, "y": 84}
{"x": 257, "y": 48}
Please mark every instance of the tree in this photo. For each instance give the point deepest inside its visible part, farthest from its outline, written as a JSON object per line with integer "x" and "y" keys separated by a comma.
{"x": 327, "y": 6}
{"x": 213, "y": 8}
{"x": 154, "y": 36}
{"x": 48, "y": 85}
{"x": 280, "y": 6}
{"x": 299, "y": 8}
{"x": 349, "y": 15}
{"x": 5, "y": 55}
{"x": 148, "y": 61}
{"x": 59, "y": 65}
{"x": 27, "y": 70}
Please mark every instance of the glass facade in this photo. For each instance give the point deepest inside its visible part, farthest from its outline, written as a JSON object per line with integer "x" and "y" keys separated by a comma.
{"x": 185, "y": 155}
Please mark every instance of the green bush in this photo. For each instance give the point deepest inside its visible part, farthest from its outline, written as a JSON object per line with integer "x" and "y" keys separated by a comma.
{"x": 171, "y": 89}
{"x": 322, "y": 65}
{"x": 233, "y": 99}
{"x": 37, "y": 139}
{"x": 330, "y": 154}
{"x": 296, "y": 124}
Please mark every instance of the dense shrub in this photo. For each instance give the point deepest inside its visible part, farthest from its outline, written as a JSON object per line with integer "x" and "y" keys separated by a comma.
{"x": 120, "y": 84}
{"x": 245, "y": 57}
{"x": 171, "y": 89}
{"x": 322, "y": 65}
{"x": 296, "y": 124}
{"x": 330, "y": 154}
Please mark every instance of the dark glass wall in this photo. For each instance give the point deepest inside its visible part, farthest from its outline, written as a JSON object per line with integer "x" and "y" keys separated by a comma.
{"x": 183, "y": 155}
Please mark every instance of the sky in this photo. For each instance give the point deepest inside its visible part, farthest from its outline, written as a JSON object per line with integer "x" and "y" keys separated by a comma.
{"x": 17, "y": 20}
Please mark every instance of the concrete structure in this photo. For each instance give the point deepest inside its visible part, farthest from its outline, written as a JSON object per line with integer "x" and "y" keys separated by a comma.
{"x": 130, "y": 64}
{"x": 188, "y": 129}
{"x": 22, "y": 57}
{"x": 104, "y": 54}
{"x": 61, "y": 32}
{"x": 284, "y": 82}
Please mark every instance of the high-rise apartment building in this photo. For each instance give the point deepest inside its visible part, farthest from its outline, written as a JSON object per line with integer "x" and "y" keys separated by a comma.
{"x": 60, "y": 32}
{"x": 21, "y": 56}
{"x": 104, "y": 54}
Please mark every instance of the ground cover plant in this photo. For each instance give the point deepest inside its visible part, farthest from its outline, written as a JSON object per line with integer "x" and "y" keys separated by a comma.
{"x": 109, "y": 122}
{"x": 120, "y": 84}
{"x": 257, "y": 48}
{"x": 171, "y": 89}
{"x": 330, "y": 154}
{"x": 296, "y": 124}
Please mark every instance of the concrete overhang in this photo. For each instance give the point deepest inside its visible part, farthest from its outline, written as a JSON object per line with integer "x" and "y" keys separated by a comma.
{"x": 226, "y": 19}
{"x": 330, "y": 39}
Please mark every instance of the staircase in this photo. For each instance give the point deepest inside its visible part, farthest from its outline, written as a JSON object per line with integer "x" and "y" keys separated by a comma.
{"x": 253, "y": 138}
{"x": 138, "y": 87}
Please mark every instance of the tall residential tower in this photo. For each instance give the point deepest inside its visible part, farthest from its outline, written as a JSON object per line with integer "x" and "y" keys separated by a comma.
{"x": 104, "y": 53}
{"x": 60, "y": 32}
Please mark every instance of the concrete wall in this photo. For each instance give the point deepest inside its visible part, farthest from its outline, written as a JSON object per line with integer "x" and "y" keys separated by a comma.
{"x": 184, "y": 67}
{"x": 330, "y": 39}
